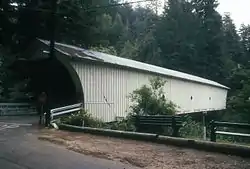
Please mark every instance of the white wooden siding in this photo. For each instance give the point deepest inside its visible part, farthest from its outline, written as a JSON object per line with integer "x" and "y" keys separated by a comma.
{"x": 106, "y": 91}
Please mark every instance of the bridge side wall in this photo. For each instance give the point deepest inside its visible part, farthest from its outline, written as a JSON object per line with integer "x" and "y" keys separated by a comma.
{"x": 106, "y": 90}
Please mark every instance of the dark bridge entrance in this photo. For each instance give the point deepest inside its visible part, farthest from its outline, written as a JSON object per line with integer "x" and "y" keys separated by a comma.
{"x": 55, "y": 77}
{"x": 52, "y": 77}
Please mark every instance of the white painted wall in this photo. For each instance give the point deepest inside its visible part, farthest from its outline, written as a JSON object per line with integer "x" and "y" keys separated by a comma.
{"x": 102, "y": 82}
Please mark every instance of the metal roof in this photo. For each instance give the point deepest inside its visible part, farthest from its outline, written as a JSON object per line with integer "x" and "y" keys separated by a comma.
{"x": 81, "y": 53}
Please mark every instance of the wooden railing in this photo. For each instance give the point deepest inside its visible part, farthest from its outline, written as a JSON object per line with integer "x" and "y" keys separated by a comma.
{"x": 143, "y": 122}
{"x": 216, "y": 124}
{"x": 66, "y": 110}
{"x": 8, "y": 109}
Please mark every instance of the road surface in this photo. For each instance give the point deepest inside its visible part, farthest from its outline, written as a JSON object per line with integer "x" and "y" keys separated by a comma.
{"x": 20, "y": 149}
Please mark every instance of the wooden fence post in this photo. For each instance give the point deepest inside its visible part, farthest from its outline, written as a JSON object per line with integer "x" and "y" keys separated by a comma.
{"x": 174, "y": 127}
{"x": 137, "y": 123}
{"x": 213, "y": 130}
{"x": 204, "y": 114}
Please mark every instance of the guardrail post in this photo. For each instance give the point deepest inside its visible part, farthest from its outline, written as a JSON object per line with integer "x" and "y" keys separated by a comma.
{"x": 204, "y": 114}
{"x": 51, "y": 115}
{"x": 213, "y": 130}
{"x": 174, "y": 127}
{"x": 61, "y": 111}
{"x": 137, "y": 123}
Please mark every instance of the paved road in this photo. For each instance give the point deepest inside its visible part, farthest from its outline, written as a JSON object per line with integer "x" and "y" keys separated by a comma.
{"x": 20, "y": 149}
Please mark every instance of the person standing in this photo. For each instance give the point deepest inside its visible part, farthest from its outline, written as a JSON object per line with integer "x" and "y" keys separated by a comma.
{"x": 43, "y": 108}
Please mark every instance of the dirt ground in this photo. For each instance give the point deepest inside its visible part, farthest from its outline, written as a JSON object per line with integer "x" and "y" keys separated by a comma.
{"x": 143, "y": 154}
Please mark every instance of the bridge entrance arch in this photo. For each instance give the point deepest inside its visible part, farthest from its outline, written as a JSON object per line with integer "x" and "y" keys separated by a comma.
{"x": 55, "y": 76}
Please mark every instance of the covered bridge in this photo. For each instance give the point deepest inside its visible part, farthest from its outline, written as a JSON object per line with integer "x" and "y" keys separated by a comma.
{"x": 104, "y": 81}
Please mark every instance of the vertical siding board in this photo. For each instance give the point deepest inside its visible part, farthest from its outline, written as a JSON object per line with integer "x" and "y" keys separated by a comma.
{"x": 121, "y": 92}
{"x": 118, "y": 89}
{"x": 101, "y": 92}
{"x": 116, "y": 82}
{"x": 123, "y": 95}
{"x": 115, "y": 91}
{"x": 111, "y": 93}
{"x": 118, "y": 74}
{"x": 89, "y": 83}
{"x": 111, "y": 100}
{"x": 106, "y": 91}
{"x": 109, "y": 86}
{"x": 102, "y": 89}
{"x": 97, "y": 93}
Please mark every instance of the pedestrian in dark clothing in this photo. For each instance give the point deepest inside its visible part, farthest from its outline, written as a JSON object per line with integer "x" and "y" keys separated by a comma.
{"x": 43, "y": 108}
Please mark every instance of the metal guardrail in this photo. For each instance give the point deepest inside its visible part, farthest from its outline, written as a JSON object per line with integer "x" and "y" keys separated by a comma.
{"x": 142, "y": 123}
{"x": 215, "y": 124}
{"x": 57, "y": 112}
{"x": 16, "y": 109}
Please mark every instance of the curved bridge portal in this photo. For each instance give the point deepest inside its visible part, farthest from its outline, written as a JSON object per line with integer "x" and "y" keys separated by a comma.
{"x": 55, "y": 76}
{"x": 57, "y": 80}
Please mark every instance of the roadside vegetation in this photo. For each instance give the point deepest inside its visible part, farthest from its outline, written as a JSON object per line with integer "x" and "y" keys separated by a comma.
{"x": 147, "y": 100}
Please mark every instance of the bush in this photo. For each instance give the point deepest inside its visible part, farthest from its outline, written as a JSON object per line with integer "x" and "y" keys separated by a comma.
{"x": 191, "y": 128}
{"x": 78, "y": 118}
{"x": 151, "y": 100}
{"x": 125, "y": 125}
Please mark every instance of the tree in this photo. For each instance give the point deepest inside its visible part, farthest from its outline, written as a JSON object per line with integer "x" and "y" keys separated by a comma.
{"x": 176, "y": 36}
{"x": 117, "y": 29}
{"x": 13, "y": 87}
{"x": 130, "y": 50}
{"x": 151, "y": 100}
{"x": 245, "y": 44}
{"x": 239, "y": 100}
{"x": 231, "y": 49}
{"x": 137, "y": 40}
{"x": 104, "y": 30}
{"x": 15, "y": 16}
{"x": 149, "y": 51}
{"x": 210, "y": 64}
{"x": 77, "y": 22}
{"x": 109, "y": 49}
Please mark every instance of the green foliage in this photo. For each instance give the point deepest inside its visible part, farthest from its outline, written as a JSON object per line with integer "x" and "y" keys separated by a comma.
{"x": 151, "y": 100}
{"x": 191, "y": 128}
{"x": 109, "y": 50}
{"x": 20, "y": 92}
{"x": 13, "y": 87}
{"x": 177, "y": 36}
{"x": 126, "y": 124}
{"x": 239, "y": 101}
{"x": 245, "y": 44}
{"x": 78, "y": 118}
{"x": 130, "y": 50}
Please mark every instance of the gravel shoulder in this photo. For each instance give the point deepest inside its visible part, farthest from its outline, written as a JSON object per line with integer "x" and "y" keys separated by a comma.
{"x": 143, "y": 154}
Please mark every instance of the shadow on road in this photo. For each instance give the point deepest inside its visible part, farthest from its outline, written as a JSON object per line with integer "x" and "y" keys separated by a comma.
{"x": 21, "y": 149}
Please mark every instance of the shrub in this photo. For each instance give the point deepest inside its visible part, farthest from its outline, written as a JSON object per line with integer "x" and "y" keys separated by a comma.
{"x": 125, "y": 125}
{"x": 191, "y": 128}
{"x": 78, "y": 118}
{"x": 151, "y": 100}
